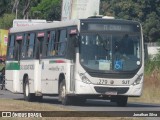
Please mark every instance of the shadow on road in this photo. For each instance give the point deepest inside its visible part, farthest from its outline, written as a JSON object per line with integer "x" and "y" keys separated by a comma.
{"x": 95, "y": 103}
{"x": 89, "y": 103}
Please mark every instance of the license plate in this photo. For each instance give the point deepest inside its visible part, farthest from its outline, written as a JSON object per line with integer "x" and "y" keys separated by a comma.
{"x": 111, "y": 93}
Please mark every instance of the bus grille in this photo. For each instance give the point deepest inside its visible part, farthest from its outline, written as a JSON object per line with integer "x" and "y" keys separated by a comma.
{"x": 120, "y": 90}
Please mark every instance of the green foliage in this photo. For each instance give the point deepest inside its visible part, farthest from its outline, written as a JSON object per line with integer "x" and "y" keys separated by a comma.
{"x": 47, "y": 9}
{"x": 3, "y": 6}
{"x": 6, "y": 21}
{"x": 151, "y": 65}
{"x": 152, "y": 27}
{"x": 145, "y": 11}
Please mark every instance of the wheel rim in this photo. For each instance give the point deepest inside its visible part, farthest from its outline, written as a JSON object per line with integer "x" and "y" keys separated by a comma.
{"x": 63, "y": 93}
{"x": 27, "y": 90}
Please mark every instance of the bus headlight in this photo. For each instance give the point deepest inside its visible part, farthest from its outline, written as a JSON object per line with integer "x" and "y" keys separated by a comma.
{"x": 138, "y": 80}
{"x": 84, "y": 78}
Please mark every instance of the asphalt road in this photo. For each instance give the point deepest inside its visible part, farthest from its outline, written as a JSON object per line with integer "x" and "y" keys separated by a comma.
{"x": 90, "y": 105}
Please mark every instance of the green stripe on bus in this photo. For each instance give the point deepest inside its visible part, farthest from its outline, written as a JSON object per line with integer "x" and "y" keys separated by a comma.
{"x": 12, "y": 66}
{"x": 56, "y": 61}
{"x": 50, "y": 62}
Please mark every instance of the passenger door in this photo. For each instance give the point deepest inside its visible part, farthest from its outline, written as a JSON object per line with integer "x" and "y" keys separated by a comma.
{"x": 49, "y": 81}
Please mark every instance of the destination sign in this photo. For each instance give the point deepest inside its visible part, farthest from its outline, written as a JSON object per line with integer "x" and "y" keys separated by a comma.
{"x": 111, "y": 27}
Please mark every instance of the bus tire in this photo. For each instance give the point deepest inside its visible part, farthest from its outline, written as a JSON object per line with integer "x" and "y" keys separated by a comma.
{"x": 27, "y": 95}
{"x": 122, "y": 101}
{"x": 62, "y": 93}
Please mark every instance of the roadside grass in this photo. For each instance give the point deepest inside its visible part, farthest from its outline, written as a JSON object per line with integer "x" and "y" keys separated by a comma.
{"x": 151, "y": 88}
{"x": 20, "y": 105}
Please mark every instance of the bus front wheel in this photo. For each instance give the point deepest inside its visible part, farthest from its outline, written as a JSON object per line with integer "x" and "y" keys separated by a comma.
{"x": 62, "y": 93}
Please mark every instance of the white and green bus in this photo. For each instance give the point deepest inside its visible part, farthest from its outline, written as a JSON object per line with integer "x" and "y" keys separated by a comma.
{"x": 77, "y": 60}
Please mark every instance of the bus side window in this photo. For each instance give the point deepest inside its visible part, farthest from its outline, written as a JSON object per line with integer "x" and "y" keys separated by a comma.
{"x": 27, "y": 45}
{"x": 49, "y": 44}
{"x": 39, "y": 44}
{"x": 47, "y": 39}
{"x": 30, "y": 45}
{"x": 11, "y": 47}
{"x": 62, "y": 38}
{"x": 24, "y": 46}
{"x": 71, "y": 52}
{"x": 18, "y": 45}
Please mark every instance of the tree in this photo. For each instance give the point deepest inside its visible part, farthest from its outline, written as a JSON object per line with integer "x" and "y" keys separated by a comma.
{"x": 6, "y": 21}
{"x": 15, "y": 7}
{"x": 22, "y": 7}
{"x": 152, "y": 27}
{"x": 3, "y": 6}
{"x": 47, "y": 9}
{"x": 147, "y": 12}
{"x": 26, "y": 9}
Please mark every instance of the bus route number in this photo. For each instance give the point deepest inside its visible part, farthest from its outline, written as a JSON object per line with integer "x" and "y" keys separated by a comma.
{"x": 102, "y": 82}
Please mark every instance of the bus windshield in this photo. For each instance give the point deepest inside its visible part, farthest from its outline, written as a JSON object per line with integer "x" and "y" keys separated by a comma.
{"x": 110, "y": 52}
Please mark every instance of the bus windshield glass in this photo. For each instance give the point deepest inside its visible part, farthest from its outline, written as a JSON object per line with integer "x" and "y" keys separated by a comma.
{"x": 111, "y": 51}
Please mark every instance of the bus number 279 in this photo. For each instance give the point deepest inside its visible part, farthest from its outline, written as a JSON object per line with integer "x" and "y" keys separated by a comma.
{"x": 102, "y": 82}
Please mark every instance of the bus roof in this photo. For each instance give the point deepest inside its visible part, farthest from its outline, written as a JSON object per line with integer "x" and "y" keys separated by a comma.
{"x": 60, "y": 24}
{"x": 44, "y": 26}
